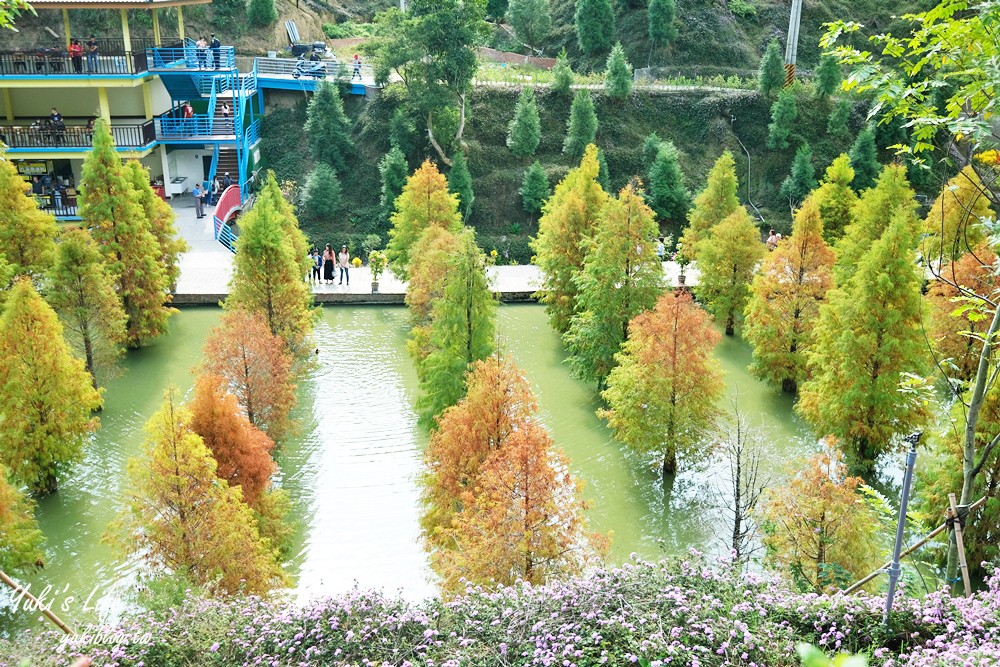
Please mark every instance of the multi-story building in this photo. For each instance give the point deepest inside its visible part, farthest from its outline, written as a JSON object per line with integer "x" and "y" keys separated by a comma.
{"x": 143, "y": 87}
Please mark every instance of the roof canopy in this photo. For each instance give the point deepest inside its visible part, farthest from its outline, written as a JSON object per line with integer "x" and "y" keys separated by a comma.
{"x": 115, "y": 4}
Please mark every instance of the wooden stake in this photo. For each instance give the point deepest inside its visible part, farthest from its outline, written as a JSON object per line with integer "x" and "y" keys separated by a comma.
{"x": 23, "y": 592}
{"x": 961, "y": 546}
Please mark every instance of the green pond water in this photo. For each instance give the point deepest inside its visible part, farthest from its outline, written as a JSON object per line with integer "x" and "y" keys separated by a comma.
{"x": 351, "y": 471}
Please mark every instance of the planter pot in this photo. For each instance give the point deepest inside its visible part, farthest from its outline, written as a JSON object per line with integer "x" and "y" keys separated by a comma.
{"x": 374, "y": 286}
{"x": 680, "y": 279}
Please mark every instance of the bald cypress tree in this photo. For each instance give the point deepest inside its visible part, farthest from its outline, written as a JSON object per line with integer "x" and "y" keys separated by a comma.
{"x": 160, "y": 219}
{"x": 712, "y": 205}
{"x": 113, "y": 211}
{"x": 20, "y": 539}
{"x": 46, "y": 395}
{"x": 27, "y": 234}
{"x": 835, "y": 198}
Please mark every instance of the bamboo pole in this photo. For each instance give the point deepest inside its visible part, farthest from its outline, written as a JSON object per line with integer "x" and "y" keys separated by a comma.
{"x": 23, "y": 592}
{"x": 962, "y": 564}
{"x": 927, "y": 538}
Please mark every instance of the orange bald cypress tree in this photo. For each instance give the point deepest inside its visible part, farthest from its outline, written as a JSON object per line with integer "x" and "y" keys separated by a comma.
{"x": 255, "y": 366}
{"x": 662, "y": 395}
{"x": 179, "y": 516}
{"x": 785, "y": 298}
{"x": 242, "y": 452}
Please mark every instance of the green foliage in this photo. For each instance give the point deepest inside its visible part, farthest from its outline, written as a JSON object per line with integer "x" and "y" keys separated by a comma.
{"x": 425, "y": 202}
{"x": 868, "y": 340}
{"x": 660, "y": 22}
{"x": 595, "y": 25}
{"x": 783, "y": 115}
{"x": 827, "y": 76}
{"x": 603, "y": 175}
{"x": 393, "y": 170}
{"x": 837, "y": 124}
{"x": 534, "y": 188}
{"x": 814, "y": 657}
{"x": 82, "y": 292}
{"x": 668, "y": 195}
{"x": 727, "y": 259}
{"x": 569, "y": 217}
{"x": 461, "y": 330}
{"x": 864, "y": 159}
{"x": 531, "y": 21}
{"x": 460, "y": 183}
{"x": 621, "y": 277}
{"x": 321, "y": 195}
{"x": 328, "y": 128}
{"x": 650, "y": 149}
{"x": 20, "y": 540}
{"x": 835, "y": 198}
{"x": 802, "y": 180}
{"x": 27, "y": 234}
{"x": 618, "y": 74}
{"x": 113, "y": 211}
{"x": 524, "y": 131}
{"x": 261, "y": 13}
{"x": 10, "y": 10}
{"x": 742, "y": 8}
{"x": 268, "y": 269}
{"x": 46, "y": 395}
{"x": 581, "y": 128}
{"x": 771, "y": 76}
{"x": 714, "y": 203}
{"x": 562, "y": 75}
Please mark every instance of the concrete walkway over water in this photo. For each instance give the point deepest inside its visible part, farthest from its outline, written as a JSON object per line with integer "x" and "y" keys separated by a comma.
{"x": 207, "y": 267}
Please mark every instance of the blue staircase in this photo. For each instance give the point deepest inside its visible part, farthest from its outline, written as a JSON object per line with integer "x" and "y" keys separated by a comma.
{"x": 207, "y": 79}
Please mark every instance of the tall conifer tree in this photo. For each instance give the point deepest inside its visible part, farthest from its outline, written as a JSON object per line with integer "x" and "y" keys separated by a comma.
{"x": 621, "y": 277}
{"x": 727, "y": 259}
{"x": 27, "y": 234}
{"x": 784, "y": 111}
{"x": 668, "y": 195}
{"x": 113, "y": 211}
{"x": 393, "y": 170}
{"x": 836, "y": 124}
{"x": 869, "y": 335}
{"x": 618, "y": 74}
{"x": 581, "y": 128}
{"x": 595, "y": 25}
{"x": 20, "y": 539}
{"x": 460, "y": 183}
{"x": 531, "y": 20}
{"x": 661, "y": 15}
{"x": 328, "y": 128}
{"x": 864, "y": 159}
{"x": 534, "y": 188}
{"x": 569, "y": 216}
{"x": 802, "y": 180}
{"x": 461, "y": 330}
{"x": 771, "y": 76}
{"x": 425, "y": 202}
{"x": 82, "y": 293}
{"x": 785, "y": 299}
{"x": 46, "y": 395}
{"x": 562, "y": 75}
{"x": 178, "y": 515}
{"x": 268, "y": 271}
{"x": 827, "y": 76}
{"x": 712, "y": 205}
{"x": 662, "y": 395}
{"x": 835, "y": 198}
{"x": 160, "y": 218}
{"x": 525, "y": 130}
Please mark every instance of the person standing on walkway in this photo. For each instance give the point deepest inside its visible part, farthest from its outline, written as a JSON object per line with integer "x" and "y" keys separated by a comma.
{"x": 92, "y": 50}
{"x": 227, "y": 180}
{"x": 199, "y": 204}
{"x": 329, "y": 260}
{"x": 316, "y": 265}
{"x": 357, "y": 67}
{"x": 344, "y": 259}
{"x": 216, "y": 47}
{"x": 76, "y": 55}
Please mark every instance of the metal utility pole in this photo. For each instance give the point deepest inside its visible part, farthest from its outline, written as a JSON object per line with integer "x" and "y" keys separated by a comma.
{"x": 792, "y": 45}
{"x": 894, "y": 568}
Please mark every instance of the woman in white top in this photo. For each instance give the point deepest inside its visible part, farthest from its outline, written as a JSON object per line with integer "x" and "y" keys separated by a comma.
{"x": 344, "y": 259}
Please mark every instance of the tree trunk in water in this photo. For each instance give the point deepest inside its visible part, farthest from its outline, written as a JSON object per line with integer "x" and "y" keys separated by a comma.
{"x": 669, "y": 464}
{"x": 731, "y": 325}
{"x": 789, "y": 386}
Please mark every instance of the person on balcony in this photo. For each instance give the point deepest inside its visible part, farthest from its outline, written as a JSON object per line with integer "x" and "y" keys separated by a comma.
{"x": 187, "y": 113}
{"x": 199, "y": 200}
{"x": 76, "y": 55}
{"x": 216, "y": 47}
{"x": 202, "y": 45}
{"x": 92, "y": 50}
{"x": 357, "y": 67}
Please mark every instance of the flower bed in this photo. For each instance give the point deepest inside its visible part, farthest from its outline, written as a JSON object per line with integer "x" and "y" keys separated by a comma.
{"x": 668, "y": 613}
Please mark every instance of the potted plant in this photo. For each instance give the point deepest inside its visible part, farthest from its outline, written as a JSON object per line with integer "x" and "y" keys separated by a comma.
{"x": 377, "y": 262}
{"x": 682, "y": 262}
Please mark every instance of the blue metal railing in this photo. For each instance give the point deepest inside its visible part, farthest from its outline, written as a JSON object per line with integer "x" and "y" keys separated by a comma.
{"x": 200, "y": 125}
{"x": 190, "y": 57}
